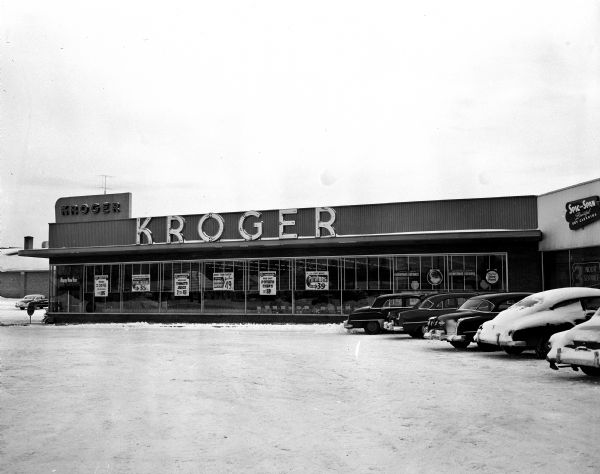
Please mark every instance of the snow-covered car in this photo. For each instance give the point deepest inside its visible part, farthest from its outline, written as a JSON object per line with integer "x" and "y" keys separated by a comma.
{"x": 459, "y": 328}
{"x": 40, "y": 301}
{"x": 578, "y": 348}
{"x": 414, "y": 321}
{"x": 529, "y": 324}
{"x": 371, "y": 318}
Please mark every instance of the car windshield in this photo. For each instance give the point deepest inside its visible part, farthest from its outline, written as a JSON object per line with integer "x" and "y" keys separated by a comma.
{"x": 477, "y": 304}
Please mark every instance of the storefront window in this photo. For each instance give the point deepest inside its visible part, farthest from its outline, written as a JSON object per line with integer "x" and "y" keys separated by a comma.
{"x": 141, "y": 288}
{"x": 68, "y": 284}
{"x": 102, "y": 288}
{"x": 181, "y": 287}
{"x": 314, "y": 285}
{"x": 226, "y": 290}
{"x": 269, "y": 287}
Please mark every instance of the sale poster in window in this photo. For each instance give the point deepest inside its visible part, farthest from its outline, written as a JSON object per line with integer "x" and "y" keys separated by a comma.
{"x": 223, "y": 281}
{"x": 181, "y": 284}
{"x": 101, "y": 286}
{"x": 317, "y": 280}
{"x": 140, "y": 283}
{"x": 267, "y": 283}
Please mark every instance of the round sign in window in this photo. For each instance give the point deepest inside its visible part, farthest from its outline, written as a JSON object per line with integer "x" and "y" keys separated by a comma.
{"x": 492, "y": 277}
{"x": 434, "y": 277}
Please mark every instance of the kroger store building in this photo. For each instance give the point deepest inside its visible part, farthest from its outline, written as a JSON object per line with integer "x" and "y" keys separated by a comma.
{"x": 310, "y": 264}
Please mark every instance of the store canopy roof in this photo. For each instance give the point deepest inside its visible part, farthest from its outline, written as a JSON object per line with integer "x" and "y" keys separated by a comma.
{"x": 453, "y": 237}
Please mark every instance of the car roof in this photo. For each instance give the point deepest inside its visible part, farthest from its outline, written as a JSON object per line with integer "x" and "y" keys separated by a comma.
{"x": 404, "y": 295}
{"x": 501, "y": 296}
{"x": 441, "y": 296}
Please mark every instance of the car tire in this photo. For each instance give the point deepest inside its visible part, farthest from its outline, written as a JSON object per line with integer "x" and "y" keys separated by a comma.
{"x": 591, "y": 371}
{"x": 513, "y": 351}
{"x": 460, "y": 344}
{"x": 419, "y": 333}
{"x": 487, "y": 347}
{"x": 372, "y": 327}
{"x": 542, "y": 348}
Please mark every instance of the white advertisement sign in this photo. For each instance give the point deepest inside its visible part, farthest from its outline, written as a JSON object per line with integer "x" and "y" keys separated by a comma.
{"x": 223, "y": 281}
{"x": 317, "y": 280}
{"x": 181, "y": 284}
{"x": 140, "y": 283}
{"x": 101, "y": 286}
{"x": 267, "y": 283}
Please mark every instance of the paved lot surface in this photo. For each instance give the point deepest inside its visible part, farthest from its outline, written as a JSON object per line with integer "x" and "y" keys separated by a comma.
{"x": 199, "y": 398}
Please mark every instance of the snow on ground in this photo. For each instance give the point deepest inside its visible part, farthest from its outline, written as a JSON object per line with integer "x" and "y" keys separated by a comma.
{"x": 258, "y": 398}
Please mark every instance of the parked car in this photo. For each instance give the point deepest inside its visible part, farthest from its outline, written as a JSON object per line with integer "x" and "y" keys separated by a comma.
{"x": 460, "y": 327}
{"x": 40, "y": 301}
{"x": 528, "y": 324}
{"x": 578, "y": 348}
{"x": 371, "y": 318}
{"x": 414, "y": 322}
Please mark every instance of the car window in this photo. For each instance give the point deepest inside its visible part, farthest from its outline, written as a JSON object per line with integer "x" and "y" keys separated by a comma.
{"x": 591, "y": 303}
{"x": 568, "y": 302}
{"x": 485, "y": 305}
{"x": 413, "y": 301}
{"x": 505, "y": 305}
{"x": 472, "y": 303}
{"x": 427, "y": 304}
{"x": 528, "y": 302}
{"x": 450, "y": 303}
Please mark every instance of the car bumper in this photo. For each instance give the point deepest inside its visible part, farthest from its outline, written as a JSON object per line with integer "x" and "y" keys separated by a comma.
{"x": 577, "y": 356}
{"x": 389, "y": 326}
{"x": 348, "y": 325}
{"x": 436, "y": 335}
{"x": 498, "y": 339}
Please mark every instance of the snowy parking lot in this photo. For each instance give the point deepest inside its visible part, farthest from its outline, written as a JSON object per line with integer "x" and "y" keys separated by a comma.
{"x": 260, "y": 398}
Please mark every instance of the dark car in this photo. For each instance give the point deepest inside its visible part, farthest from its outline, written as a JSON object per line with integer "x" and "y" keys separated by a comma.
{"x": 371, "y": 318}
{"x": 40, "y": 301}
{"x": 459, "y": 328}
{"x": 414, "y": 321}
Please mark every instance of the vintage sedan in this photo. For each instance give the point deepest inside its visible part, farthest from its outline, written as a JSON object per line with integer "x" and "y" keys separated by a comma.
{"x": 371, "y": 318}
{"x": 529, "y": 324}
{"x": 414, "y": 322}
{"x": 39, "y": 301}
{"x": 578, "y": 348}
{"x": 460, "y": 327}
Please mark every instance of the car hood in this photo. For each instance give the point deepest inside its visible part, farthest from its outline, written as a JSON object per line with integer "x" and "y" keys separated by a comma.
{"x": 465, "y": 313}
{"x": 364, "y": 309}
{"x": 523, "y": 318}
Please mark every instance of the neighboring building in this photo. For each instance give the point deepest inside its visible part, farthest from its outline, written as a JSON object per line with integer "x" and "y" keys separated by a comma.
{"x": 570, "y": 221}
{"x": 20, "y": 276}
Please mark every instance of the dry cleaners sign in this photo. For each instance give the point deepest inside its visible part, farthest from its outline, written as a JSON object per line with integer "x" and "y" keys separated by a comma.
{"x": 324, "y": 218}
{"x": 582, "y": 212}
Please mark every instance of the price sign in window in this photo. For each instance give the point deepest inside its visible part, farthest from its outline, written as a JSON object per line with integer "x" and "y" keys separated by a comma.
{"x": 317, "y": 280}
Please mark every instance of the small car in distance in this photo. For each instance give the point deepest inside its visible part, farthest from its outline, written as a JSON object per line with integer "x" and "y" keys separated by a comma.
{"x": 578, "y": 348}
{"x": 371, "y": 318}
{"x": 459, "y": 328}
{"x": 529, "y": 324}
{"x": 39, "y": 301}
{"x": 414, "y": 321}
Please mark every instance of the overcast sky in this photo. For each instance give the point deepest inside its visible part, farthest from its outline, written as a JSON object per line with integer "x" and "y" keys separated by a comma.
{"x": 199, "y": 107}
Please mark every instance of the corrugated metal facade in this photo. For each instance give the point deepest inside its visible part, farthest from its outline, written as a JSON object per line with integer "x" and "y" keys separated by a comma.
{"x": 509, "y": 213}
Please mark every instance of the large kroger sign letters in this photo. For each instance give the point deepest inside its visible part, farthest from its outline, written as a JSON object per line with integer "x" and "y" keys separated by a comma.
{"x": 324, "y": 220}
